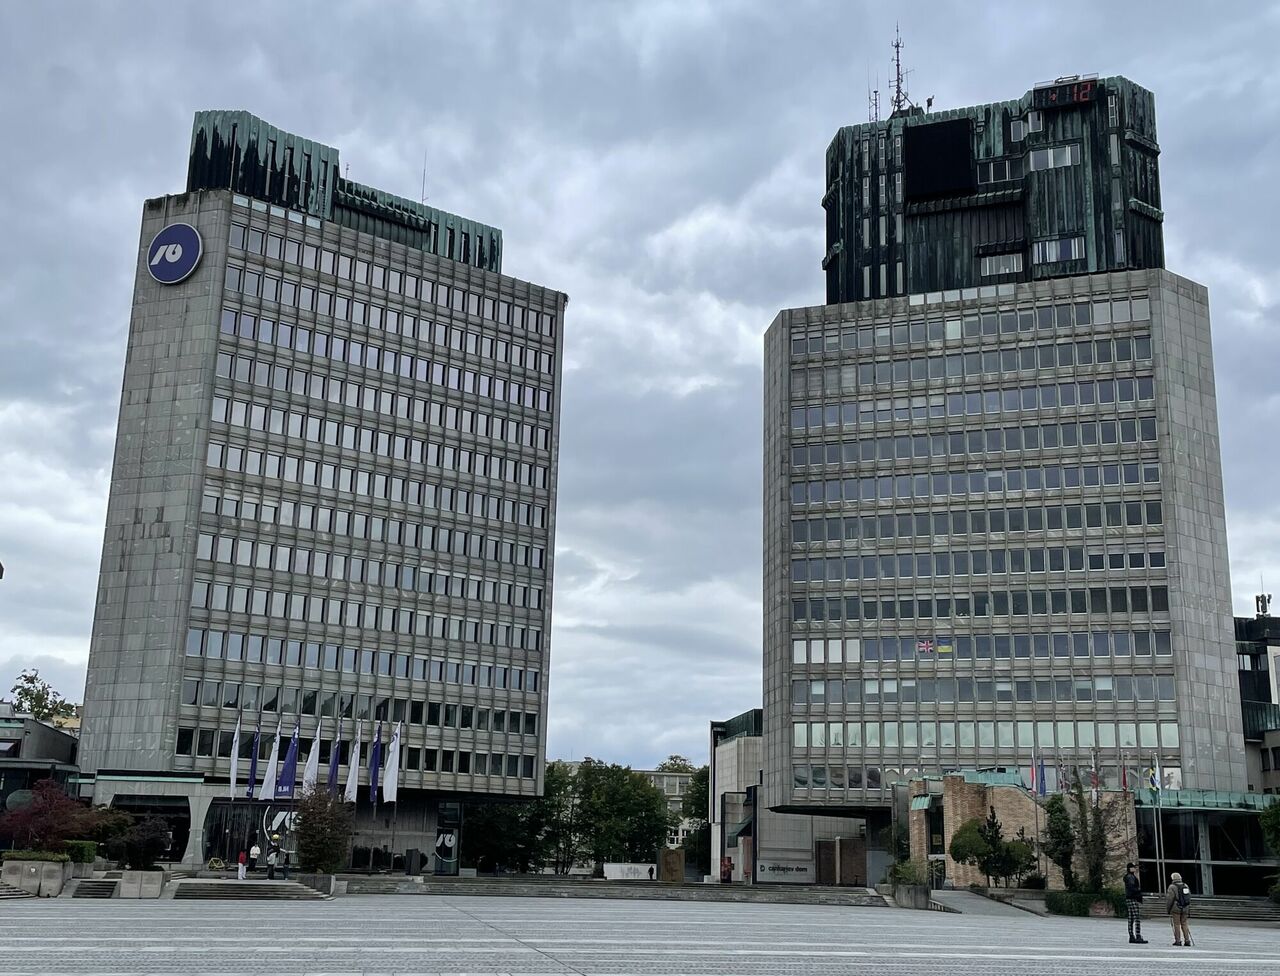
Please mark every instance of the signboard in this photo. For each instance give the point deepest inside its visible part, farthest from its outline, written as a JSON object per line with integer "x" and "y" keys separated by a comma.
{"x": 630, "y": 872}
{"x": 1068, "y": 93}
{"x": 786, "y": 872}
{"x": 174, "y": 253}
{"x": 446, "y": 851}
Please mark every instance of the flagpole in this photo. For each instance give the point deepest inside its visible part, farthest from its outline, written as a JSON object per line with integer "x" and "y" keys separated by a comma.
{"x": 1035, "y": 798}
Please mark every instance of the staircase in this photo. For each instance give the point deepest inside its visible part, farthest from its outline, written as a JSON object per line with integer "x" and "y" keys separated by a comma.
{"x": 559, "y": 887}
{"x": 1209, "y": 907}
{"x": 101, "y": 888}
{"x": 9, "y": 891}
{"x": 246, "y": 891}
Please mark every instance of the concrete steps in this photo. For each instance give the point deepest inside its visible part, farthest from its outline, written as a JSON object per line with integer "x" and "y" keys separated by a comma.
{"x": 1210, "y": 907}
{"x": 99, "y": 888}
{"x": 246, "y": 890}
{"x": 8, "y": 892}
{"x": 637, "y": 890}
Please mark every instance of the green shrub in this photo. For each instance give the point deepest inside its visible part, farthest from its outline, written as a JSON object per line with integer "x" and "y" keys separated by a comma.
{"x": 1275, "y": 893}
{"x": 81, "y": 851}
{"x": 1078, "y": 902}
{"x": 54, "y": 856}
{"x": 1035, "y": 880}
{"x": 908, "y": 873}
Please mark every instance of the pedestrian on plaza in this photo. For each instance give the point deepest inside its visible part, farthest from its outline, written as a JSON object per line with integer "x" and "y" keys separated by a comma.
{"x": 241, "y": 863}
{"x": 273, "y": 854}
{"x": 255, "y": 852}
{"x": 284, "y": 858}
{"x": 1133, "y": 902}
{"x": 1177, "y": 902}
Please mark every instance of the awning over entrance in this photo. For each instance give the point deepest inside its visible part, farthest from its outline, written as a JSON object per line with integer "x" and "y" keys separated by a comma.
{"x": 921, "y": 802}
{"x": 742, "y": 829}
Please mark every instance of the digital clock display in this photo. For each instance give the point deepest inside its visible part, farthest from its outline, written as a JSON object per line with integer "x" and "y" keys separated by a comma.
{"x": 1069, "y": 93}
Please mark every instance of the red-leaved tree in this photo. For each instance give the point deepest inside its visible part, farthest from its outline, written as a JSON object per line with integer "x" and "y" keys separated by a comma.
{"x": 49, "y": 819}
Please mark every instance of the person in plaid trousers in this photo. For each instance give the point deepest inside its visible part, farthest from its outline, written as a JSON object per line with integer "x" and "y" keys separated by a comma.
{"x": 1133, "y": 902}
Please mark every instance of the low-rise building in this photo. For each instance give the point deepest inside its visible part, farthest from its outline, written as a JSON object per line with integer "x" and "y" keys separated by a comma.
{"x": 32, "y": 750}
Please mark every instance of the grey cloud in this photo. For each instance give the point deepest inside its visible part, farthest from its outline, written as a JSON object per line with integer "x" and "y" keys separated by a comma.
{"x": 663, "y": 164}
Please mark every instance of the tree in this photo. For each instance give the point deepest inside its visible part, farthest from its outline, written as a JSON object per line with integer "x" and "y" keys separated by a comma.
{"x": 675, "y": 764}
{"x": 322, "y": 828}
{"x": 623, "y": 816}
{"x": 142, "y": 844}
{"x": 1059, "y": 843}
{"x": 109, "y": 823}
{"x": 1270, "y": 820}
{"x": 49, "y": 819}
{"x": 31, "y": 693}
{"x": 969, "y": 845}
{"x": 561, "y": 838}
{"x": 697, "y": 842}
{"x": 505, "y": 835}
{"x": 1021, "y": 857}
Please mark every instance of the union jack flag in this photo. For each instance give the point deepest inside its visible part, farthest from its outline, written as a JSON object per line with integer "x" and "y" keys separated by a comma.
{"x": 924, "y": 647}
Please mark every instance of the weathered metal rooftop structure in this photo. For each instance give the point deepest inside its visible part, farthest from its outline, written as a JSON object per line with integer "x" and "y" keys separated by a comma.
{"x": 1062, "y": 181}
{"x": 240, "y": 152}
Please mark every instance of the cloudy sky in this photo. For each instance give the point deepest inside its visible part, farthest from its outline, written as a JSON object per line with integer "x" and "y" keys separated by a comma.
{"x": 659, "y": 162}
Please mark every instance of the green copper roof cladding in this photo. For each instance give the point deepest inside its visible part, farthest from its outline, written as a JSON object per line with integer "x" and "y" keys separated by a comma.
{"x": 239, "y": 151}
{"x": 1061, "y": 181}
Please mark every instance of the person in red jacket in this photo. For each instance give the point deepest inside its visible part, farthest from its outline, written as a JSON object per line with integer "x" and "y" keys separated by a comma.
{"x": 240, "y": 866}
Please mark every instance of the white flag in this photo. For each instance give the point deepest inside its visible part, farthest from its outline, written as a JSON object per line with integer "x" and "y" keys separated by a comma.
{"x": 312, "y": 770}
{"x": 391, "y": 775}
{"x": 353, "y": 770}
{"x": 235, "y": 758}
{"x": 268, "y": 790}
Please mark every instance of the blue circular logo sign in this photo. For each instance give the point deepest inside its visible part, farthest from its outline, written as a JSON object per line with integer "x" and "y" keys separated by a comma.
{"x": 174, "y": 253}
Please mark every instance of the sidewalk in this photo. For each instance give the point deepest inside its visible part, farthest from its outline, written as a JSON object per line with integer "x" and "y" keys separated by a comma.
{"x": 967, "y": 903}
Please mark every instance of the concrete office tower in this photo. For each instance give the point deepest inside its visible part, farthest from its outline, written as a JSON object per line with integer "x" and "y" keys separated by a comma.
{"x": 994, "y": 520}
{"x": 332, "y": 502}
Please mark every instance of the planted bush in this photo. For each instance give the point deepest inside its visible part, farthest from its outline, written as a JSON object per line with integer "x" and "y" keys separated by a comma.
{"x": 1078, "y": 903}
{"x": 81, "y": 851}
{"x": 52, "y": 856}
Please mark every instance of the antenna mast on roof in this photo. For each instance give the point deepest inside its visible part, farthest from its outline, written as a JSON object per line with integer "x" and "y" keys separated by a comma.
{"x": 424, "y": 177}
{"x": 900, "y": 98}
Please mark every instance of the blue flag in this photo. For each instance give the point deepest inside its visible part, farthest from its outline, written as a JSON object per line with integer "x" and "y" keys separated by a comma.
{"x": 289, "y": 772}
{"x": 1041, "y": 786}
{"x": 335, "y": 751}
{"x": 375, "y": 763}
{"x": 253, "y": 761}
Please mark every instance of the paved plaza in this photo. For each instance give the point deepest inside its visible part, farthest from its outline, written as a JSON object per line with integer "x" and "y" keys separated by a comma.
{"x": 492, "y": 935}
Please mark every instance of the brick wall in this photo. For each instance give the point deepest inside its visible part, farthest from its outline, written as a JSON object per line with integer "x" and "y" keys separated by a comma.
{"x": 1016, "y": 808}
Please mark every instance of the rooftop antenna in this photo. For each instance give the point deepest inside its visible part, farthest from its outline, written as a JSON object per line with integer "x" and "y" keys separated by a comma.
{"x": 424, "y": 177}
{"x": 900, "y": 99}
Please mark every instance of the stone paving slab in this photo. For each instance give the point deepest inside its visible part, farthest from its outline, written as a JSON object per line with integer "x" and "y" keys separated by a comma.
{"x": 487, "y": 936}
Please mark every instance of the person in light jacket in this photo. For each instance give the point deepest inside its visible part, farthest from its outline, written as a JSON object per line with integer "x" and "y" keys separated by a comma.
{"x": 255, "y": 852}
{"x": 1177, "y": 902}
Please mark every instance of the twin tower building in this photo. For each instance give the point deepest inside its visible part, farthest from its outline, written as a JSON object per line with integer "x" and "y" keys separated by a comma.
{"x": 994, "y": 520}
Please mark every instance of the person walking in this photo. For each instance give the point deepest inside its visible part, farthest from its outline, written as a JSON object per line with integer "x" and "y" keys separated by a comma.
{"x": 255, "y": 852}
{"x": 1177, "y": 902}
{"x": 1133, "y": 902}
{"x": 241, "y": 863}
{"x": 272, "y": 856}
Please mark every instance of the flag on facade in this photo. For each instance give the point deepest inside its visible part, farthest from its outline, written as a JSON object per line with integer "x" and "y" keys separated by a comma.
{"x": 1042, "y": 787}
{"x": 235, "y": 759}
{"x": 289, "y": 773}
{"x": 253, "y": 760}
{"x": 268, "y": 790}
{"x": 353, "y": 770}
{"x": 924, "y": 647}
{"x": 391, "y": 780}
{"x": 311, "y": 772}
{"x": 375, "y": 764}
{"x": 944, "y": 645}
{"x": 335, "y": 753}
{"x": 1153, "y": 779}
{"x": 1124, "y": 773}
